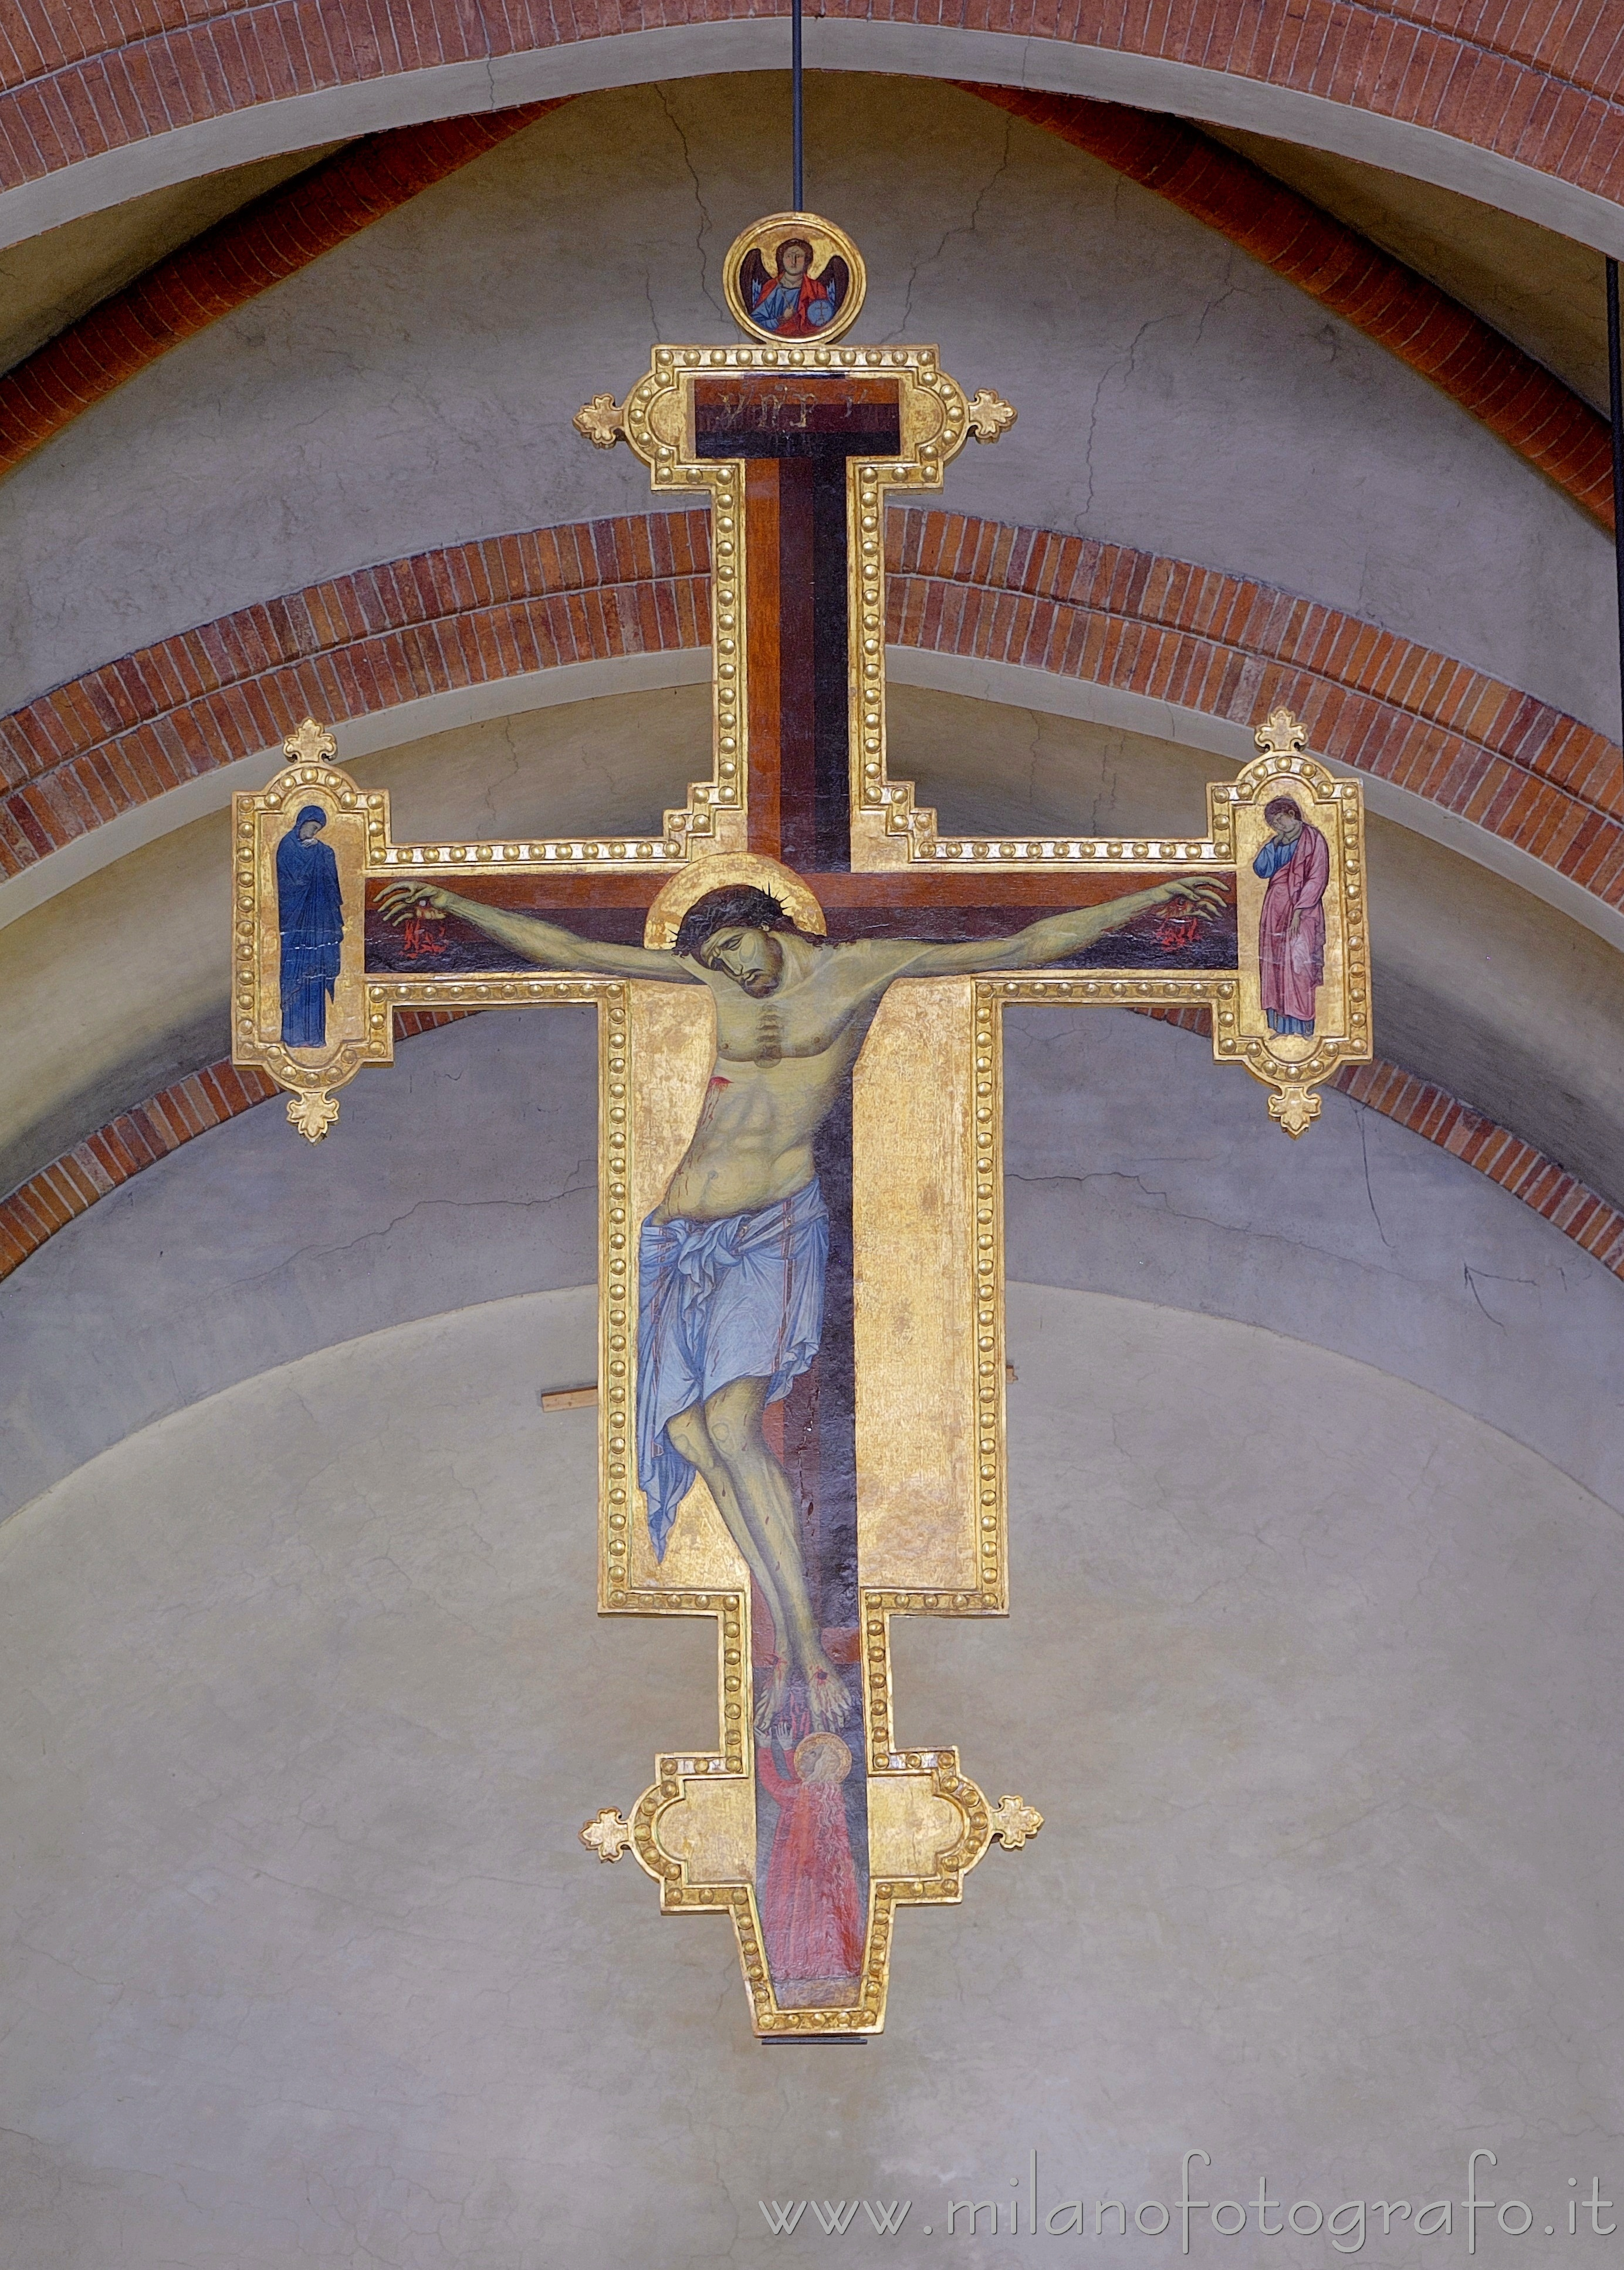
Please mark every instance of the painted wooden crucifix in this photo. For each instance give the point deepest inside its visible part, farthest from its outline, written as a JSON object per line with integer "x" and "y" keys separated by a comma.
{"x": 799, "y": 984}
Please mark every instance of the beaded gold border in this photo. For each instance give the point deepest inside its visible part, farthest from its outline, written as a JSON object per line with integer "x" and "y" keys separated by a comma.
{"x": 938, "y": 418}
{"x": 944, "y": 1885}
{"x": 1291, "y": 1079}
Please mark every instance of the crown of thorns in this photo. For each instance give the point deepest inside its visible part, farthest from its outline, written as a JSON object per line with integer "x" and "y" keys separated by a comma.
{"x": 742, "y": 907}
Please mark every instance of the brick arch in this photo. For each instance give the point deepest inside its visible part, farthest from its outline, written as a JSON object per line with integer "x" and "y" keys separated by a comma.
{"x": 230, "y": 264}
{"x": 138, "y": 1138}
{"x": 1530, "y": 81}
{"x": 1507, "y": 390}
{"x": 478, "y": 613}
{"x": 1529, "y": 409}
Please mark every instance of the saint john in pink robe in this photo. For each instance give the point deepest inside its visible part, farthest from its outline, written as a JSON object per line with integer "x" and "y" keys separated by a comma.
{"x": 1291, "y": 930}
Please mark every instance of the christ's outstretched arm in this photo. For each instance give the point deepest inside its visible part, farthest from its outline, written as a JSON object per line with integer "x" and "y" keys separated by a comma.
{"x": 544, "y": 942}
{"x": 1056, "y": 936}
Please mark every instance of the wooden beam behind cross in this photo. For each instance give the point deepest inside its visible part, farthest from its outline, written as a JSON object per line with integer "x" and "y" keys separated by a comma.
{"x": 799, "y": 983}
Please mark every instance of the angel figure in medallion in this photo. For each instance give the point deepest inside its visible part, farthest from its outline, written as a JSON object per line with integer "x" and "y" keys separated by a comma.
{"x": 793, "y": 304}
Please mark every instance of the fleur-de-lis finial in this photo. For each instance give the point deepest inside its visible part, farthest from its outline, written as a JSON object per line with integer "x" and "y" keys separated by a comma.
{"x": 313, "y": 1111}
{"x": 989, "y": 414}
{"x": 607, "y": 1835}
{"x": 1013, "y": 1820}
{"x": 601, "y": 420}
{"x": 310, "y": 743}
{"x": 1294, "y": 1107}
{"x": 1282, "y": 736}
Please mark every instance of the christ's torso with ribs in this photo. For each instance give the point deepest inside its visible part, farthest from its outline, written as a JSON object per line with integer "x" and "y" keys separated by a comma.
{"x": 780, "y": 1061}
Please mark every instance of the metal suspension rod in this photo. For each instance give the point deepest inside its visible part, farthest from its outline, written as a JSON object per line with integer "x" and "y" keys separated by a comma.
{"x": 799, "y": 200}
{"x": 1615, "y": 384}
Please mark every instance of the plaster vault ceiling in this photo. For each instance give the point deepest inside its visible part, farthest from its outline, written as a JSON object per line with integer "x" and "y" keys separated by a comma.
{"x": 1543, "y": 291}
{"x": 1539, "y": 289}
{"x": 48, "y": 282}
{"x": 1315, "y": 1449}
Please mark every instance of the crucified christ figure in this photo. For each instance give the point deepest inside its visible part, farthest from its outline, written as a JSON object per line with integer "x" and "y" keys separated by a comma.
{"x": 731, "y": 1260}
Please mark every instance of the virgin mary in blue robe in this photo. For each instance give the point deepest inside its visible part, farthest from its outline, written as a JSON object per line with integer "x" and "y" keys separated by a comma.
{"x": 310, "y": 913}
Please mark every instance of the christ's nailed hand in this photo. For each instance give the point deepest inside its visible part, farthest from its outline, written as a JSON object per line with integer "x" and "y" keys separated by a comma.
{"x": 1205, "y": 893}
{"x": 395, "y": 900}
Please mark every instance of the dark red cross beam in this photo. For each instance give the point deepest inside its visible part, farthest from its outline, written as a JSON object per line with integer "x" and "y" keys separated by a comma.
{"x": 799, "y": 434}
{"x": 797, "y": 438}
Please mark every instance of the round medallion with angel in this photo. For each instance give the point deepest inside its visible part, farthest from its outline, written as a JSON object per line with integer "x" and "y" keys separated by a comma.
{"x": 794, "y": 276}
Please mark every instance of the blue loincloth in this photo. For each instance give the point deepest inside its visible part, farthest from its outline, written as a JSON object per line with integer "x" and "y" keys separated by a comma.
{"x": 718, "y": 1301}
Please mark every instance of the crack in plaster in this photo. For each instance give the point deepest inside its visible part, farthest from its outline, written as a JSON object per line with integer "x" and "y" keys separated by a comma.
{"x": 706, "y": 223}
{"x": 966, "y": 228}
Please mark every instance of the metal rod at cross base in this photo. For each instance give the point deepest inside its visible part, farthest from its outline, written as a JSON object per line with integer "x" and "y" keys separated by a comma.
{"x": 1616, "y": 388}
{"x": 798, "y": 201}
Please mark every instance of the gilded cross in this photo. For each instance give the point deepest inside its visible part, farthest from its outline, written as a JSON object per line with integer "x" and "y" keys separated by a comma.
{"x": 800, "y": 982}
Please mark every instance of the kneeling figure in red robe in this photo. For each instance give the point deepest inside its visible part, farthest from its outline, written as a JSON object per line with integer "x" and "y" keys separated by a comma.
{"x": 811, "y": 1912}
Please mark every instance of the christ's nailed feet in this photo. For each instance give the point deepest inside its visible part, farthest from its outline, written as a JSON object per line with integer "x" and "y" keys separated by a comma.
{"x": 829, "y": 1700}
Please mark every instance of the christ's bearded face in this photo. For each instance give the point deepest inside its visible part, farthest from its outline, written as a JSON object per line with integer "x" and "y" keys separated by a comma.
{"x": 753, "y": 958}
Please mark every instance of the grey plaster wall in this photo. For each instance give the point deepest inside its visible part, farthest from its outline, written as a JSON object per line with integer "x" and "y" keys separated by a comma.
{"x": 1315, "y": 1680}
{"x": 468, "y": 1174}
{"x": 415, "y": 387}
{"x": 111, "y": 989}
{"x": 50, "y": 281}
{"x": 1546, "y": 291}
{"x": 1136, "y": 1165}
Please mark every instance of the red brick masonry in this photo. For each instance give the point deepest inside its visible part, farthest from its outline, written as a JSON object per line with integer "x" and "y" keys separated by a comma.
{"x": 1516, "y": 398}
{"x": 1232, "y": 647}
{"x": 1533, "y": 412}
{"x": 71, "y": 1185}
{"x": 1535, "y": 80}
{"x": 475, "y": 613}
{"x": 226, "y": 266}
